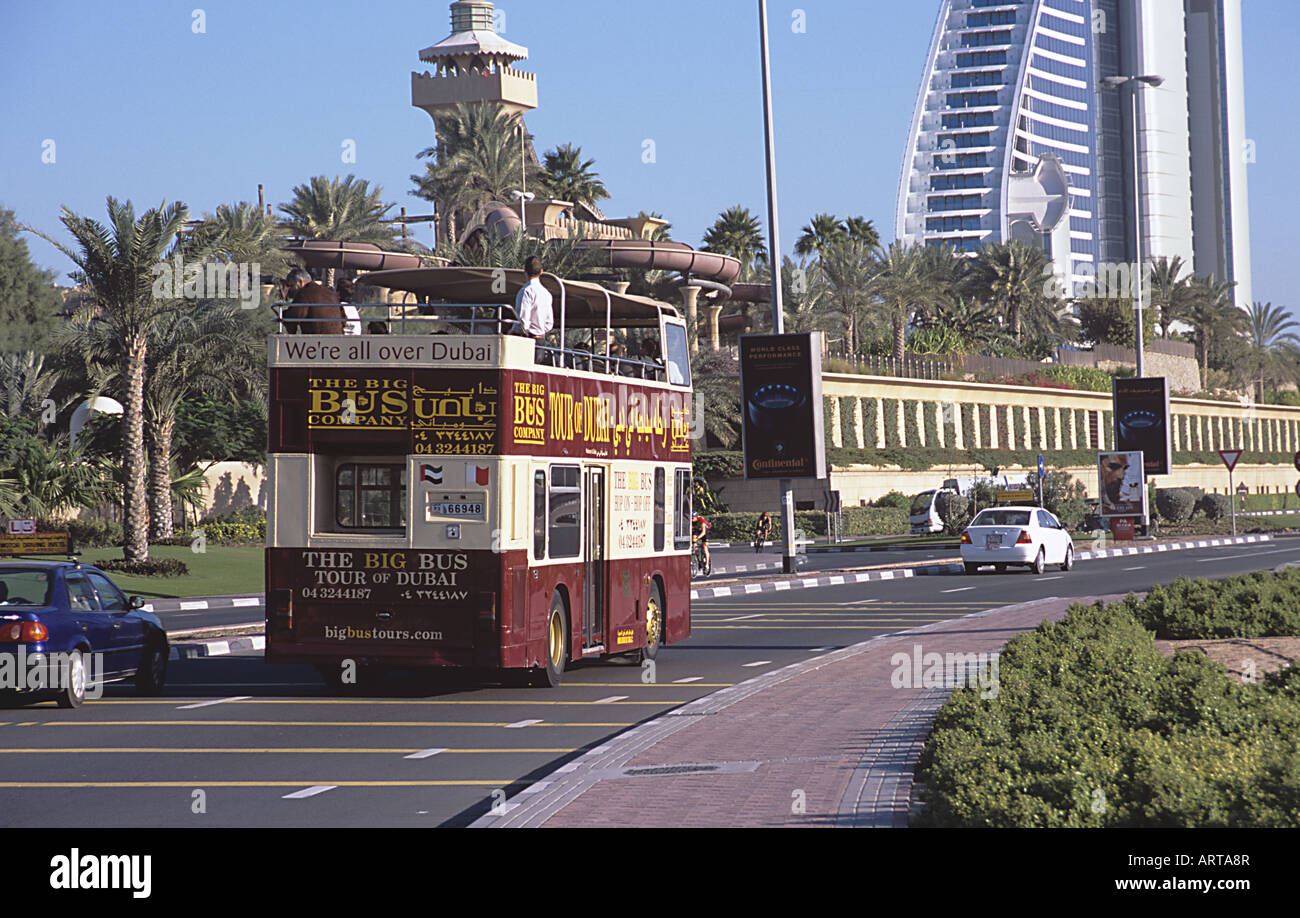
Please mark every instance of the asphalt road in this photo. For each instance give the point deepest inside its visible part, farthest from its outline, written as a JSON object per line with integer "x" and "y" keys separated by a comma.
{"x": 236, "y": 742}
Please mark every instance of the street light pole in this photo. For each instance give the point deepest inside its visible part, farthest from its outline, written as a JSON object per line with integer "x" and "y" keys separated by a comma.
{"x": 1135, "y": 83}
{"x": 774, "y": 262}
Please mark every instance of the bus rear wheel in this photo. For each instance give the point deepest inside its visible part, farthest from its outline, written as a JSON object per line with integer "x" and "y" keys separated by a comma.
{"x": 557, "y": 645}
{"x": 654, "y": 624}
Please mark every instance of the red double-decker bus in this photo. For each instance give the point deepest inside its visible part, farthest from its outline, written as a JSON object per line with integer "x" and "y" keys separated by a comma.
{"x": 443, "y": 493}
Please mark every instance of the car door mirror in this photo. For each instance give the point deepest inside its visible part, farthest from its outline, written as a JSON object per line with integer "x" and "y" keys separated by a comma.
{"x": 136, "y": 602}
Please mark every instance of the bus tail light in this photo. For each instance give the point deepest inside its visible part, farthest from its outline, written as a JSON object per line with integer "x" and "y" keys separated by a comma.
{"x": 280, "y": 608}
{"x": 487, "y": 610}
{"x": 24, "y": 632}
{"x": 1024, "y": 538}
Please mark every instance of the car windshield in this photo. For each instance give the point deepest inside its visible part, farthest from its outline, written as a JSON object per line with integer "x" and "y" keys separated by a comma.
{"x": 1001, "y": 518}
{"x": 24, "y": 587}
{"x": 921, "y": 503}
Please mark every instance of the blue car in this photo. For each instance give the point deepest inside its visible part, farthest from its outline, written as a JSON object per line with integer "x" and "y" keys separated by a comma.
{"x": 66, "y": 630}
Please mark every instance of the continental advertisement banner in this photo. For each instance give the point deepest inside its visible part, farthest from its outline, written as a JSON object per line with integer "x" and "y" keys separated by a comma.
{"x": 444, "y": 412}
{"x": 780, "y": 384}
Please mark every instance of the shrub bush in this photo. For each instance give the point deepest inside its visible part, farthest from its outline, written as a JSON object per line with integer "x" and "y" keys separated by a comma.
{"x": 894, "y": 499}
{"x": 858, "y": 521}
{"x": 89, "y": 533}
{"x": 154, "y": 567}
{"x": 954, "y": 510}
{"x": 1175, "y": 505}
{"x": 1215, "y": 506}
{"x": 1091, "y": 726}
{"x": 1259, "y": 604}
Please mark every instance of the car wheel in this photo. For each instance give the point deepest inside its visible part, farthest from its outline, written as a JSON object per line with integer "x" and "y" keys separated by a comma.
{"x": 557, "y": 645}
{"x": 73, "y": 692}
{"x": 1069, "y": 558}
{"x": 1040, "y": 562}
{"x": 152, "y": 676}
{"x": 972, "y": 568}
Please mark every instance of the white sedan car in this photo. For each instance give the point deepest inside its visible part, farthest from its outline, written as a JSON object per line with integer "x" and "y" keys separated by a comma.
{"x": 1016, "y": 535}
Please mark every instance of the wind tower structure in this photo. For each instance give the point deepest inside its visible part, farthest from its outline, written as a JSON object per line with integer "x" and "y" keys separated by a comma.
{"x": 473, "y": 64}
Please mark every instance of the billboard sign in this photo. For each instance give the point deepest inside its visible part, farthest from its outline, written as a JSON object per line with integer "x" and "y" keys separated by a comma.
{"x": 1142, "y": 420}
{"x": 781, "y": 392}
{"x": 1122, "y": 485}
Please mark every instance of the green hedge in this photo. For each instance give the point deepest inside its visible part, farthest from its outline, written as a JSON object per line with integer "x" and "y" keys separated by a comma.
{"x": 968, "y": 415}
{"x": 1259, "y": 604}
{"x": 1017, "y": 427}
{"x": 911, "y": 430}
{"x": 890, "y": 407}
{"x": 1089, "y": 725}
{"x": 930, "y": 414}
{"x": 848, "y": 430}
{"x": 858, "y": 521}
{"x": 869, "y": 423}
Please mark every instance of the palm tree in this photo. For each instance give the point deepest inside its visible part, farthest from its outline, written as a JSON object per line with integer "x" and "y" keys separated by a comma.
{"x": 567, "y": 178}
{"x": 339, "y": 210}
{"x": 1168, "y": 290}
{"x": 737, "y": 233}
{"x": 849, "y": 268}
{"x": 822, "y": 231}
{"x": 863, "y": 231}
{"x": 1271, "y": 341}
{"x": 973, "y": 322}
{"x": 717, "y": 396}
{"x": 51, "y": 478}
{"x": 1213, "y": 316}
{"x": 243, "y": 233}
{"x": 1010, "y": 276}
{"x": 483, "y": 154}
{"x": 114, "y": 263}
{"x": 904, "y": 284}
{"x": 25, "y": 384}
{"x": 562, "y": 257}
{"x": 207, "y": 350}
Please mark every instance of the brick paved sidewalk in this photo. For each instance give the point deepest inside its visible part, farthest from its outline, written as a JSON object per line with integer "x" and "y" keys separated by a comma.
{"x": 824, "y": 742}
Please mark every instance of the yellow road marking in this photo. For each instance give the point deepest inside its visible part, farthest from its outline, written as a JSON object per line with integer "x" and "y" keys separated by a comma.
{"x": 274, "y": 751}
{"x": 43, "y": 785}
{"x": 312, "y": 723}
{"x": 365, "y": 701}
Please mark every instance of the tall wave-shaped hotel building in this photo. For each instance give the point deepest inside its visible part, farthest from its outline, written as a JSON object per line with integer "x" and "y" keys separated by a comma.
{"x": 1015, "y": 135}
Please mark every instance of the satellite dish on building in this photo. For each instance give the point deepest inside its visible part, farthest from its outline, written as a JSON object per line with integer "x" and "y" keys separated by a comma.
{"x": 89, "y": 408}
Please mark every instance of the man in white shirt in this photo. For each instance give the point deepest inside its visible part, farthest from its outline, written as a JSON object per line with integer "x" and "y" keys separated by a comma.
{"x": 533, "y": 304}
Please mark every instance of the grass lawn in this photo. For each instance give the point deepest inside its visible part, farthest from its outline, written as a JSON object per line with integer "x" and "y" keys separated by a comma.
{"x": 219, "y": 571}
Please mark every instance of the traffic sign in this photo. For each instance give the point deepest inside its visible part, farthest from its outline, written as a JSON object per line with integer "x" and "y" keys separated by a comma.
{"x": 38, "y": 543}
{"x": 1041, "y": 466}
{"x": 1230, "y": 457}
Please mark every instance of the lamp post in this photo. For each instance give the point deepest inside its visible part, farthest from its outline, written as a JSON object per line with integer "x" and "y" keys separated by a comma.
{"x": 1135, "y": 83}
{"x": 789, "y": 561}
{"x": 524, "y": 197}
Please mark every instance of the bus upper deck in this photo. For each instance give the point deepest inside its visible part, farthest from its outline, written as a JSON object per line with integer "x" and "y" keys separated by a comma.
{"x": 596, "y": 330}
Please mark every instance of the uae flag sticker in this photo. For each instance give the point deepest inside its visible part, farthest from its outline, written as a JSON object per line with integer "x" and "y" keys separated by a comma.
{"x": 431, "y": 473}
{"x": 476, "y": 474}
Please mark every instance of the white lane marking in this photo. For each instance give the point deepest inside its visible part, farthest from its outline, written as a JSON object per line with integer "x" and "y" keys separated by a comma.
{"x": 753, "y": 588}
{"x": 782, "y": 585}
{"x": 534, "y": 788}
{"x": 309, "y": 792}
{"x": 251, "y": 601}
{"x": 822, "y": 649}
{"x": 687, "y": 679}
{"x": 523, "y": 723}
{"x": 424, "y": 754}
{"x": 1041, "y": 579}
{"x": 1140, "y": 567}
{"x": 859, "y": 602}
{"x": 200, "y": 604}
{"x": 568, "y": 767}
{"x": 610, "y": 700}
{"x": 208, "y": 704}
{"x": 741, "y": 618}
{"x": 757, "y": 663}
{"x": 958, "y": 590}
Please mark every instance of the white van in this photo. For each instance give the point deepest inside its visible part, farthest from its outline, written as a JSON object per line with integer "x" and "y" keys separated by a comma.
{"x": 925, "y": 511}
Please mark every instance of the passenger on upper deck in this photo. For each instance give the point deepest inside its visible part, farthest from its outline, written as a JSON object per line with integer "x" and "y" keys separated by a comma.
{"x": 345, "y": 290}
{"x": 533, "y": 304}
{"x": 312, "y": 301}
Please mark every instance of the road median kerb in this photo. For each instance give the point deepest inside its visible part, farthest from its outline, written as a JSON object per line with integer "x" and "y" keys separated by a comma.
{"x": 870, "y": 796}
{"x": 896, "y": 572}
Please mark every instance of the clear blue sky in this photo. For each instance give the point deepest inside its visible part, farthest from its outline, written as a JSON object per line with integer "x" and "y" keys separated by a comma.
{"x": 141, "y": 107}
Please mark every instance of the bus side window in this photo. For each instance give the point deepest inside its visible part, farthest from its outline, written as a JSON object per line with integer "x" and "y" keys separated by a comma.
{"x": 539, "y": 515}
{"x": 659, "y": 509}
{"x": 682, "y": 525}
{"x": 678, "y": 354}
{"x": 565, "y": 530}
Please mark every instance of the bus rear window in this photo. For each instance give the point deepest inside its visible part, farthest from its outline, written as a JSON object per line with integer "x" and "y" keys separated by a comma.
{"x": 370, "y": 496}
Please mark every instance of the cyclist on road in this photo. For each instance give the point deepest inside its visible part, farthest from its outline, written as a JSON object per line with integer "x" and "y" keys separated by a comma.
{"x": 762, "y": 532}
{"x": 700, "y": 532}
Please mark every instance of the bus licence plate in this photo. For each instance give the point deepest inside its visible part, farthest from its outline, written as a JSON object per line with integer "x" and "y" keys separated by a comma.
{"x": 449, "y": 508}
